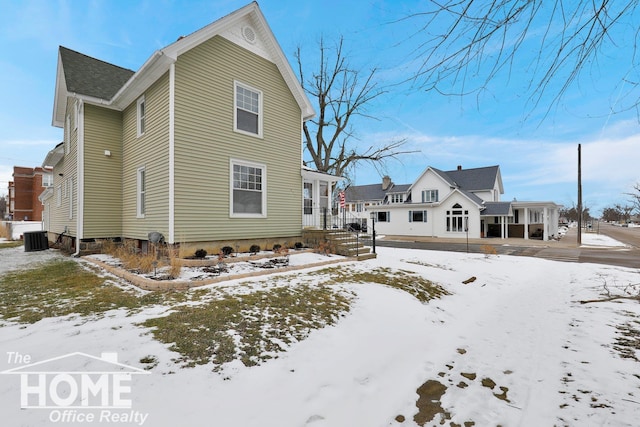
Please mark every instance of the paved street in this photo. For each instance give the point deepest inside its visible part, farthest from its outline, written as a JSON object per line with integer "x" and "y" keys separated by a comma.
{"x": 565, "y": 249}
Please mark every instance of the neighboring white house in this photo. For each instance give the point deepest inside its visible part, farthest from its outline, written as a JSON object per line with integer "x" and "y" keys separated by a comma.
{"x": 456, "y": 203}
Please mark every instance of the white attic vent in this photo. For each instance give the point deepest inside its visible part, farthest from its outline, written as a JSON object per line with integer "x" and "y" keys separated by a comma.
{"x": 249, "y": 34}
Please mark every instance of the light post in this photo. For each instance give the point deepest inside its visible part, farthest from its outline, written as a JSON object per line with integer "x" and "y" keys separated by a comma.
{"x": 373, "y": 232}
{"x": 466, "y": 229}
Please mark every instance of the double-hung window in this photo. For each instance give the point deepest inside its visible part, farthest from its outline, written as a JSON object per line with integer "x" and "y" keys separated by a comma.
{"x": 417, "y": 216}
{"x": 429, "y": 196}
{"x": 248, "y": 110}
{"x": 141, "y": 192}
{"x": 248, "y": 189}
{"x": 141, "y": 112}
{"x": 383, "y": 216}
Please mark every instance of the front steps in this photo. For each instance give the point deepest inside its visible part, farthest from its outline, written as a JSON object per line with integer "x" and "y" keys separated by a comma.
{"x": 341, "y": 242}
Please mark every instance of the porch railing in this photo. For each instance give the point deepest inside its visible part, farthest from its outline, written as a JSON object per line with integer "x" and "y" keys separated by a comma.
{"x": 351, "y": 231}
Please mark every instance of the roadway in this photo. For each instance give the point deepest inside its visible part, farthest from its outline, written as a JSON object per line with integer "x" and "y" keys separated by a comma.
{"x": 566, "y": 249}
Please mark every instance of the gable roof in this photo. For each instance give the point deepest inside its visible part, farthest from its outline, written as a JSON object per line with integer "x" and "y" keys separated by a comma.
{"x": 476, "y": 179}
{"x": 372, "y": 192}
{"x": 85, "y": 75}
{"x": 118, "y": 87}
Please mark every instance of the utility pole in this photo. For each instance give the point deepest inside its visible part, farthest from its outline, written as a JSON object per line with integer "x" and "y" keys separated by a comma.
{"x": 579, "y": 195}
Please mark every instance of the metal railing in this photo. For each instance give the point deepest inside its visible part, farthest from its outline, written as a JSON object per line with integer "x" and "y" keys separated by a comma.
{"x": 352, "y": 228}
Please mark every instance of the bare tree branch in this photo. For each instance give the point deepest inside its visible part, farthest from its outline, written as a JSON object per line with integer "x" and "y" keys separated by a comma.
{"x": 465, "y": 44}
{"x": 342, "y": 93}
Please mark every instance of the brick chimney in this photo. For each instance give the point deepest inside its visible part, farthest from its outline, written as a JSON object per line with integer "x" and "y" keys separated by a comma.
{"x": 386, "y": 182}
{"x": 459, "y": 167}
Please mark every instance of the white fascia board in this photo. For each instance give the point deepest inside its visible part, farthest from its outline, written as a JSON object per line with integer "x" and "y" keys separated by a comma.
{"x": 149, "y": 73}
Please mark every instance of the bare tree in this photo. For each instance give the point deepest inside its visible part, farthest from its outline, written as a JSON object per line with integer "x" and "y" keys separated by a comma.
{"x": 341, "y": 93}
{"x": 464, "y": 44}
{"x": 635, "y": 199}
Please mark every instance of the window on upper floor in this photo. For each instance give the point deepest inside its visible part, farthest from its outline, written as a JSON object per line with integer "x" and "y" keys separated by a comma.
{"x": 141, "y": 112}
{"x": 47, "y": 180}
{"x": 248, "y": 195}
{"x": 429, "y": 196}
{"x": 248, "y": 110}
{"x": 141, "y": 192}
{"x": 396, "y": 198}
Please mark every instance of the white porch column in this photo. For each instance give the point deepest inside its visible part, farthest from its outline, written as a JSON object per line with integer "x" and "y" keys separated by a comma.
{"x": 545, "y": 224}
{"x": 506, "y": 227}
{"x": 526, "y": 223}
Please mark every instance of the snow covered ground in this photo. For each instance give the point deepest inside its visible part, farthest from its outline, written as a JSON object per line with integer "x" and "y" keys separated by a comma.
{"x": 514, "y": 347}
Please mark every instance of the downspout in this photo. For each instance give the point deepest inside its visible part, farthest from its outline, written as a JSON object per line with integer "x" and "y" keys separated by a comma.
{"x": 80, "y": 179}
{"x": 172, "y": 93}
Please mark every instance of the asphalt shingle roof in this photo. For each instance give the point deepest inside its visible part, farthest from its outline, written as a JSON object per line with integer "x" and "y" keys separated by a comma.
{"x": 372, "y": 192}
{"x": 474, "y": 179}
{"x": 92, "y": 77}
{"x": 467, "y": 180}
{"x": 496, "y": 208}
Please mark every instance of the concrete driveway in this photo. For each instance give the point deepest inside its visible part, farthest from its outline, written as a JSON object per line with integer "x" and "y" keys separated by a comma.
{"x": 565, "y": 249}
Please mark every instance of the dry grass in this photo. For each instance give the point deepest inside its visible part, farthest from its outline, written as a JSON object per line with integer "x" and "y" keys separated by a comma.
{"x": 488, "y": 250}
{"x": 424, "y": 290}
{"x": 250, "y": 327}
{"x": 175, "y": 266}
{"x": 4, "y": 233}
{"x": 60, "y": 288}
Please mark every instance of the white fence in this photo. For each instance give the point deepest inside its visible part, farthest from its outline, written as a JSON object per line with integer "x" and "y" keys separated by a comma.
{"x": 16, "y": 229}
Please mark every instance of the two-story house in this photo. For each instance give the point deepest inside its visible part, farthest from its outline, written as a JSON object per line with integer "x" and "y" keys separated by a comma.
{"x": 455, "y": 203}
{"x": 201, "y": 144}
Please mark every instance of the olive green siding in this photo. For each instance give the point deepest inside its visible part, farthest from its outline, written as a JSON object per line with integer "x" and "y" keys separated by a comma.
{"x": 65, "y": 181}
{"x": 150, "y": 150}
{"x": 205, "y": 142}
{"x": 102, "y": 172}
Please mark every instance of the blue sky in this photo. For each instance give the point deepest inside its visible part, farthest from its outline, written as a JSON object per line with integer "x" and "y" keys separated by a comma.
{"x": 537, "y": 157}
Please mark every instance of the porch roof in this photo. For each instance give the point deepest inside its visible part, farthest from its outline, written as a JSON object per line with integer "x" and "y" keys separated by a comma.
{"x": 497, "y": 209}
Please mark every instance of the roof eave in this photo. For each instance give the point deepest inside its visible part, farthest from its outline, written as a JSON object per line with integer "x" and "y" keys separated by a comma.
{"x": 219, "y": 26}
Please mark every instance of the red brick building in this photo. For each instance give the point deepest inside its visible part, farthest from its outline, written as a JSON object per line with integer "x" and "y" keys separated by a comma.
{"x": 27, "y": 185}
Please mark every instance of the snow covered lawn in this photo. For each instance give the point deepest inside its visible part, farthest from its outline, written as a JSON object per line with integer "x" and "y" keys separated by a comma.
{"x": 513, "y": 346}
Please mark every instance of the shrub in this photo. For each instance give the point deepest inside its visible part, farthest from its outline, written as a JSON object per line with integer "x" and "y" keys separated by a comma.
{"x": 277, "y": 247}
{"x": 4, "y": 233}
{"x": 227, "y": 250}
{"x": 488, "y": 250}
{"x": 201, "y": 253}
{"x": 254, "y": 249}
{"x": 298, "y": 245}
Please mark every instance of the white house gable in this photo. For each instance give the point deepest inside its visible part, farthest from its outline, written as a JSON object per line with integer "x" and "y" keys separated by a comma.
{"x": 430, "y": 187}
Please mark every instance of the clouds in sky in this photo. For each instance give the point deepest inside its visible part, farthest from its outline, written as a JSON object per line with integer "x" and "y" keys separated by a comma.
{"x": 536, "y": 148}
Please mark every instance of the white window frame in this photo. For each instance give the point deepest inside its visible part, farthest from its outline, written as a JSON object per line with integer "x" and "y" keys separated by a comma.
{"x": 260, "y": 113}
{"x": 457, "y": 219}
{"x": 429, "y": 196}
{"x": 47, "y": 180}
{"x": 263, "y": 188}
{"x": 141, "y": 116}
{"x": 397, "y": 198}
{"x": 412, "y": 219}
{"x": 141, "y": 192}
{"x": 387, "y": 216}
